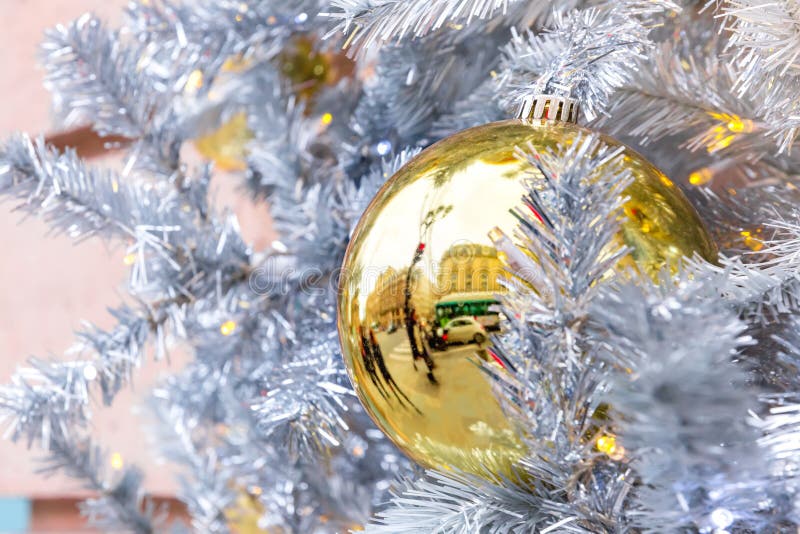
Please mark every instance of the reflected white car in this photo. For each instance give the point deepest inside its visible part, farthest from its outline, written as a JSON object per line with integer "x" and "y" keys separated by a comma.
{"x": 465, "y": 330}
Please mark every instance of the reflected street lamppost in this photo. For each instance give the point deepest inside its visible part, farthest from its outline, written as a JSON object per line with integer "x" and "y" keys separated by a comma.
{"x": 427, "y": 222}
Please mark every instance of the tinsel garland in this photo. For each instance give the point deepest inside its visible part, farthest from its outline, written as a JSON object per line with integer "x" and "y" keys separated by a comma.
{"x": 699, "y": 373}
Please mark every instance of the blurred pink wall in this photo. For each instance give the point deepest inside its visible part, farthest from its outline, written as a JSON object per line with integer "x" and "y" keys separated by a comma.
{"x": 49, "y": 284}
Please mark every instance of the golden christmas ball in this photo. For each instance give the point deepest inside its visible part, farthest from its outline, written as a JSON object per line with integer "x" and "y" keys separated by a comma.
{"x": 247, "y": 515}
{"x": 420, "y": 281}
{"x": 307, "y": 68}
{"x": 227, "y": 145}
{"x": 310, "y": 67}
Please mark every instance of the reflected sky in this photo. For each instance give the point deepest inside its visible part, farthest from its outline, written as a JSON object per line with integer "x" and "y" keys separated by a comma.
{"x": 468, "y": 222}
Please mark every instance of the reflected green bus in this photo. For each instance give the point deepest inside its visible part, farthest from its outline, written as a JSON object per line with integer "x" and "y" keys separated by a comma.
{"x": 476, "y": 304}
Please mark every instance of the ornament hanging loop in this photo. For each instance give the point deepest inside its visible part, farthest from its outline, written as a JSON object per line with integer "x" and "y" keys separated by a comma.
{"x": 548, "y": 107}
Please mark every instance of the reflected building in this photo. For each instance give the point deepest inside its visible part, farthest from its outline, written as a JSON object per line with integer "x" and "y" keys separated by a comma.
{"x": 469, "y": 268}
{"x": 468, "y": 283}
{"x": 384, "y": 304}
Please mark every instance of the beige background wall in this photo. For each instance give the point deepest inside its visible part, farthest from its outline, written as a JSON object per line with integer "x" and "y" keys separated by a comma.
{"x": 47, "y": 283}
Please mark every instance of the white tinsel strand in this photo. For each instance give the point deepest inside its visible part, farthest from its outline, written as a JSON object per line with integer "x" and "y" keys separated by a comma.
{"x": 99, "y": 78}
{"x": 75, "y": 198}
{"x": 279, "y": 426}
{"x": 765, "y": 36}
{"x": 193, "y": 274}
{"x": 297, "y": 416}
{"x": 281, "y": 328}
{"x": 738, "y": 223}
{"x": 84, "y": 201}
{"x": 413, "y": 85}
{"x": 180, "y": 407}
{"x": 764, "y": 289}
{"x": 479, "y": 108}
{"x": 143, "y": 515}
{"x": 686, "y": 86}
{"x": 97, "y": 202}
{"x": 113, "y": 94}
{"x": 568, "y": 223}
{"x": 47, "y": 404}
{"x": 308, "y": 417}
{"x": 286, "y": 170}
{"x": 780, "y": 428}
{"x": 462, "y": 504}
{"x": 572, "y": 234}
{"x": 569, "y": 60}
{"x": 240, "y": 26}
{"x": 418, "y": 81}
{"x": 680, "y": 406}
{"x": 374, "y": 22}
{"x": 135, "y": 87}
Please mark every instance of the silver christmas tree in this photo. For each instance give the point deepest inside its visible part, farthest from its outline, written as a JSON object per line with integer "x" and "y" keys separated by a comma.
{"x": 698, "y": 376}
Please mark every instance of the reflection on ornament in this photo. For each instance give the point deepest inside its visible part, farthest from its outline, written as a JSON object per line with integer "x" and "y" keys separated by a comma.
{"x": 420, "y": 284}
{"x": 226, "y": 145}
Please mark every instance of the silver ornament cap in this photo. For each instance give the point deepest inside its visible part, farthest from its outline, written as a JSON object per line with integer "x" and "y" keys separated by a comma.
{"x": 548, "y": 107}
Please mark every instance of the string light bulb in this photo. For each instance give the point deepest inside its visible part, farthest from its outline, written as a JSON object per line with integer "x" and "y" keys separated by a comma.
{"x": 607, "y": 444}
{"x": 90, "y": 372}
{"x": 227, "y": 328}
{"x": 721, "y": 518}
{"x": 722, "y": 135}
{"x": 116, "y": 461}
{"x": 751, "y": 241}
{"x": 739, "y": 125}
{"x": 701, "y": 176}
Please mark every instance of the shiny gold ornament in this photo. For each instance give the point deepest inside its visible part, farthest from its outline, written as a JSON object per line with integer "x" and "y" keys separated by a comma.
{"x": 310, "y": 69}
{"x": 226, "y": 145}
{"x": 420, "y": 279}
{"x": 246, "y": 514}
{"x": 307, "y": 69}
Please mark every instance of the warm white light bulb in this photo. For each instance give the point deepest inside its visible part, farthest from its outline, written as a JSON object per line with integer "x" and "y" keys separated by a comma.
{"x": 90, "y": 372}
{"x": 721, "y": 518}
